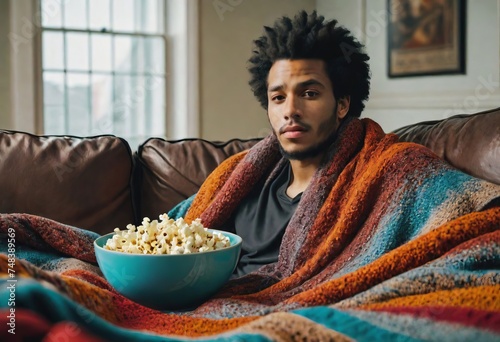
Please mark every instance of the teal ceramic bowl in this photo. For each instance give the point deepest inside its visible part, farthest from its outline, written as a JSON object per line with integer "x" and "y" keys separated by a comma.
{"x": 168, "y": 282}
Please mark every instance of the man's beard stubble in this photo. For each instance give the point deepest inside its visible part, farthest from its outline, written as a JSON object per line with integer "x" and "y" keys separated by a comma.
{"x": 310, "y": 152}
{"x": 314, "y": 150}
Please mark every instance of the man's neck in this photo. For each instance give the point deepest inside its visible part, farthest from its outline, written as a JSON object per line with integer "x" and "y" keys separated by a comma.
{"x": 302, "y": 173}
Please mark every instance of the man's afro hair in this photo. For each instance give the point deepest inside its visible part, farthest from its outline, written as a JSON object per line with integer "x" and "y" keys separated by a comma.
{"x": 309, "y": 36}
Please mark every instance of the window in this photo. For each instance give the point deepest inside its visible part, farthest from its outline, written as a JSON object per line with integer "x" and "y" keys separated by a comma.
{"x": 103, "y": 68}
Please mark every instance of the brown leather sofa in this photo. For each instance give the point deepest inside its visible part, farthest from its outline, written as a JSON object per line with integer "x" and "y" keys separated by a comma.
{"x": 98, "y": 183}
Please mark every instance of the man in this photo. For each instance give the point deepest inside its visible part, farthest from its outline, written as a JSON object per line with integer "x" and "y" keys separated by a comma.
{"x": 304, "y": 115}
{"x": 299, "y": 197}
{"x": 305, "y": 79}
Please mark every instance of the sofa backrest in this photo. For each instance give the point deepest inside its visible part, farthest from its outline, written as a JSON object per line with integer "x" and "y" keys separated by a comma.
{"x": 84, "y": 182}
{"x": 471, "y": 143}
{"x": 170, "y": 171}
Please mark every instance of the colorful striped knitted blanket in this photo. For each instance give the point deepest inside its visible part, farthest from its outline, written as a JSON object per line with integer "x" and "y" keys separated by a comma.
{"x": 388, "y": 243}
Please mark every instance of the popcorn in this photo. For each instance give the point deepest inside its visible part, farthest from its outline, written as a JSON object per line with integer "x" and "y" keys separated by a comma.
{"x": 168, "y": 236}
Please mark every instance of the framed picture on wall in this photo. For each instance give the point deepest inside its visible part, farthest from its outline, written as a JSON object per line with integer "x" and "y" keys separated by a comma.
{"x": 426, "y": 37}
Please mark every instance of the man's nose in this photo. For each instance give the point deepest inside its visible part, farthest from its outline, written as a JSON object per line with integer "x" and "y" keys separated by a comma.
{"x": 292, "y": 108}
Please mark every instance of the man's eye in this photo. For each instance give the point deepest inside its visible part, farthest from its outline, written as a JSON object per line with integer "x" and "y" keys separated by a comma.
{"x": 278, "y": 98}
{"x": 310, "y": 93}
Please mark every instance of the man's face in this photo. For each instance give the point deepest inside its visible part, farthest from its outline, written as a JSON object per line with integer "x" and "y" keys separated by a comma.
{"x": 302, "y": 109}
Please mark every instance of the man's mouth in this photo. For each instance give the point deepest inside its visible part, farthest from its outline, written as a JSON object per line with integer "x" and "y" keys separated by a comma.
{"x": 293, "y": 131}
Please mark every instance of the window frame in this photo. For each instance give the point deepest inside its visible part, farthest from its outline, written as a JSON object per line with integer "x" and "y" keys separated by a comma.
{"x": 181, "y": 68}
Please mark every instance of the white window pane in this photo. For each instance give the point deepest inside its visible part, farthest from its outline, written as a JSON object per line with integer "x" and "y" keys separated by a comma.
{"x": 51, "y": 13}
{"x": 75, "y": 14}
{"x": 155, "y": 105}
{"x": 135, "y": 62}
{"x": 139, "y": 96}
{"x": 100, "y": 15}
{"x": 77, "y": 51}
{"x": 135, "y": 119}
{"x": 136, "y": 100}
{"x": 101, "y": 52}
{"x": 78, "y": 103}
{"x": 154, "y": 55}
{"x": 138, "y": 57}
{"x": 122, "y": 106}
{"x": 123, "y": 54}
{"x": 53, "y": 88}
{"x": 152, "y": 16}
{"x": 53, "y": 103}
{"x": 54, "y": 120}
{"x": 123, "y": 15}
{"x": 138, "y": 10}
{"x": 102, "y": 104}
{"x": 53, "y": 50}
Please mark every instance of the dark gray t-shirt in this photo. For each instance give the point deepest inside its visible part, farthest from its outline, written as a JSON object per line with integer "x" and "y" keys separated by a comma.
{"x": 261, "y": 219}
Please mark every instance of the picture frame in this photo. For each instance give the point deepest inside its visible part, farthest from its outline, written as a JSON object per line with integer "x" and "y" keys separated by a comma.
{"x": 426, "y": 37}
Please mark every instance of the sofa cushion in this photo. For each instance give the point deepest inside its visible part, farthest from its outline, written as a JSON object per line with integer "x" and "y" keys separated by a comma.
{"x": 468, "y": 142}
{"x": 84, "y": 182}
{"x": 171, "y": 171}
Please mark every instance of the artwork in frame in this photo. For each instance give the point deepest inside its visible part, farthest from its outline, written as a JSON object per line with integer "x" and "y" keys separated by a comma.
{"x": 426, "y": 37}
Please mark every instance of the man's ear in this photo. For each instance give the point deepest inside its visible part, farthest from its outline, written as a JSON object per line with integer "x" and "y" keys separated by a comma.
{"x": 343, "y": 106}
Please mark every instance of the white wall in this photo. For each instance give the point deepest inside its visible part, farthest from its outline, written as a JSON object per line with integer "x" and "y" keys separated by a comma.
{"x": 398, "y": 102}
{"x": 18, "y": 102}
